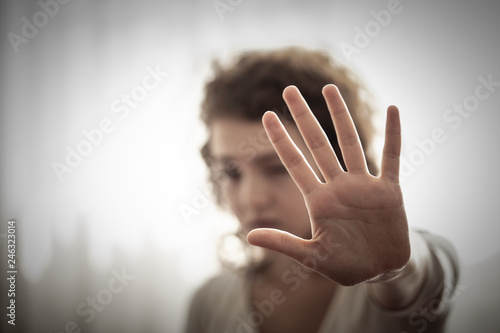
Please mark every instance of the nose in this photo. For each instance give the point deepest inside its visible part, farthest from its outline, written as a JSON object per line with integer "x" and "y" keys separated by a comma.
{"x": 256, "y": 192}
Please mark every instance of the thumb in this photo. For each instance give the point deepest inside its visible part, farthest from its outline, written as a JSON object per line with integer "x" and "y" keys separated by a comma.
{"x": 279, "y": 241}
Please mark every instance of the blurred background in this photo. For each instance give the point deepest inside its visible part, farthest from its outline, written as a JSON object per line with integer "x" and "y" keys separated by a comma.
{"x": 100, "y": 137}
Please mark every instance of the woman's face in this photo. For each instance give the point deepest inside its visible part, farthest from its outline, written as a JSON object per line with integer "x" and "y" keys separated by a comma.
{"x": 253, "y": 181}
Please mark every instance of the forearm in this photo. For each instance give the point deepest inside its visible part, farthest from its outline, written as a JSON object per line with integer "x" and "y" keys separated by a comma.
{"x": 397, "y": 290}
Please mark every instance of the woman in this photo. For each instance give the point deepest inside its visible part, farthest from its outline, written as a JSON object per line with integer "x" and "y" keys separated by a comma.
{"x": 339, "y": 256}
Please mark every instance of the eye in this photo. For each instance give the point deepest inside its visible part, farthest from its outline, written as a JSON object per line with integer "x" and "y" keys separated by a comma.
{"x": 232, "y": 171}
{"x": 229, "y": 171}
{"x": 276, "y": 170}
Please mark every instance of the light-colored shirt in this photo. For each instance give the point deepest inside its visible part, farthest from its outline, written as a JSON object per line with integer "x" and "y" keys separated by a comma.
{"x": 223, "y": 304}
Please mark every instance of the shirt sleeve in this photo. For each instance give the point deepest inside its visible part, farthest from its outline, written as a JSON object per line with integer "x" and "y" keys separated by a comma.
{"x": 442, "y": 279}
{"x": 429, "y": 311}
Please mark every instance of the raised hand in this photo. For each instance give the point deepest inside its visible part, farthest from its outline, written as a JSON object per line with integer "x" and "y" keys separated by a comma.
{"x": 358, "y": 221}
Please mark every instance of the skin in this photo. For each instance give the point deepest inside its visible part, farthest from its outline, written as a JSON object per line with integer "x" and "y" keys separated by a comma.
{"x": 257, "y": 189}
{"x": 357, "y": 217}
{"x": 261, "y": 190}
{"x": 346, "y": 226}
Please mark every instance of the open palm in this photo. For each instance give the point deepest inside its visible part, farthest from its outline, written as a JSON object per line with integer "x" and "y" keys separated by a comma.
{"x": 358, "y": 221}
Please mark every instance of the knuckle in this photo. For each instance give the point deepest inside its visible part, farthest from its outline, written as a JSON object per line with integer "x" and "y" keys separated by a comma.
{"x": 300, "y": 114}
{"x": 350, "y": 141}
{"x": 391, "y": 154}
{"x": 317, "y": 144}
{"x": 294, "y": 161}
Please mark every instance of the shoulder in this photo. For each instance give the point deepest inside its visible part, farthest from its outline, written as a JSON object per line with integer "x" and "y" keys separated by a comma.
{"x": 217, "y": 286}
{"x": 216, "y": 301}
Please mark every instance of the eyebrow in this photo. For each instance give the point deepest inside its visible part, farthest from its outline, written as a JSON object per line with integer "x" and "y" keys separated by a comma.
{"x": 259, "y": 158}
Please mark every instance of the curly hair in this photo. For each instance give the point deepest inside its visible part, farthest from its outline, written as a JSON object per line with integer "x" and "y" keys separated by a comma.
{"x": 253, "y": 82}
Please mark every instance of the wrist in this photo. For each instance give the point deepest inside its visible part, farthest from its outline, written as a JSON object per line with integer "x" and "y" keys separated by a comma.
{"x": 399, "y": 287}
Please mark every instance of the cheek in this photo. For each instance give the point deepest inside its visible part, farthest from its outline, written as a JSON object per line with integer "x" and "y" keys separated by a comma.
{"x": 229, "y": 197}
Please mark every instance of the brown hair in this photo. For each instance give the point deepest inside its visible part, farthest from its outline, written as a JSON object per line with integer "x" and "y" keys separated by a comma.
{"x": 254, "y": 81}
